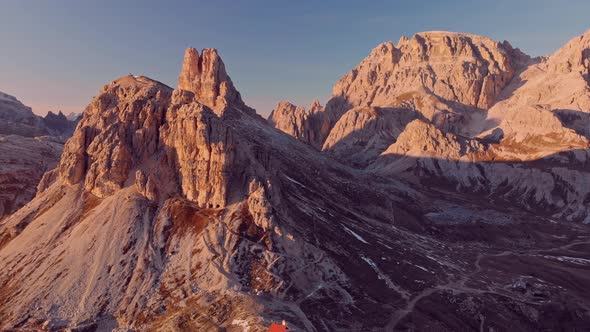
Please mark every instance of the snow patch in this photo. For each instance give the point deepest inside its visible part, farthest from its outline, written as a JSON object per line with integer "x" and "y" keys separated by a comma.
{"x": 567, "y": 259}
{"x": 386, "y": 246}
{"x": 294, "y": 181}
{"x": 422, "y": 268}
{"x": 358, "y": 237}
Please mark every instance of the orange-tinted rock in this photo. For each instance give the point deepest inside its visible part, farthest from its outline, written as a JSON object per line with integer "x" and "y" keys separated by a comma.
{"x": 206, "y": 77}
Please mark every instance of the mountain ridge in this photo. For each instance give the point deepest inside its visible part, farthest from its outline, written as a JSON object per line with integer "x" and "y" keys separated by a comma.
{"x": 31, "y": 145}
{"x": 539, "y": 111}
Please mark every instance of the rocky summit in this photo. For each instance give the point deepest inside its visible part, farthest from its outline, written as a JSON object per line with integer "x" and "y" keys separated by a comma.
{"x": 444, "y": 186}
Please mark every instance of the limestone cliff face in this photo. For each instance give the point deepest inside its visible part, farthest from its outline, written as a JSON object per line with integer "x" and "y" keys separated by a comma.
{"x": 205, "y": 151}
{"x": 450, "y": 78}
{"x": 549, "y": 98}
{"x": 171, "y": 138}
{"x": 119, "y": 130}
{"x": 447, "y": 79}
{"x": 466, "y": 69}
{"x": 573, "y": 57}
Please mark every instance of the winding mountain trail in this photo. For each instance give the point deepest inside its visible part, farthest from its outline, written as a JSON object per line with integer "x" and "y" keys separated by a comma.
{"x": 458, "y": 286}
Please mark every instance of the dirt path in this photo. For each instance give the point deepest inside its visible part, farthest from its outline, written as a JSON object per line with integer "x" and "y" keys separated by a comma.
{"x": 459, "y": 285}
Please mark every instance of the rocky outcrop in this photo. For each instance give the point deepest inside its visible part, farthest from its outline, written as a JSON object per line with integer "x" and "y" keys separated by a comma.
{"x": 297, "y": 122}
{"x": 119, "y": 130}
{"x": 462, "y": 73}
{"x": 135, "y": 119}
{"x": 550, "y": 98}
{"x": 363, "y": 133}
{"x": 421, "y": 139}
{"x": 550, "y": 185}
{"x": 206, "y": 152}
{"x": 461, "y": 68}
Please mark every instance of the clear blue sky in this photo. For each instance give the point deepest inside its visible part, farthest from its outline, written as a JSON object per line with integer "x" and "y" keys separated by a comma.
{"x": 57, "y": 54}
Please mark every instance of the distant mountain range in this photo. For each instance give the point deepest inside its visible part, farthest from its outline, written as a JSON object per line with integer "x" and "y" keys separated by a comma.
{"x": 30, "y": 145}
{"x": 18, "y": 119}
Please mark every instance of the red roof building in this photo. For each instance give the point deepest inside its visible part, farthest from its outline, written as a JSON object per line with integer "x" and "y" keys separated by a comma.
{"x": 278, "y": 328}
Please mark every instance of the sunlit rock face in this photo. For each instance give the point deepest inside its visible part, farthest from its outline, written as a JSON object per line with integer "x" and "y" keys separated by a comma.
{"x": 549, "y": 98}
{"x": 297, "y": 121}
{"x": 206, "y": 77}
{"x": 449, "y": 78}
{"x": 461, "y": 68}
{"x": 119, "y": 130}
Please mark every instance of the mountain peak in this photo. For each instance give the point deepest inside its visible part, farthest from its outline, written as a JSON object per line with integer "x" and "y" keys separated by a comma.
{"x": 205, "y": 76}
{"x": 574, "y": 56}
{"x": 403, "y": 39}
{"x": 296, "y": 120}
{"x": 133, "y": 81}
{"x": 124, "y": 118}
{"x": 315, "y": 106}
{"x": 434, "y": 61}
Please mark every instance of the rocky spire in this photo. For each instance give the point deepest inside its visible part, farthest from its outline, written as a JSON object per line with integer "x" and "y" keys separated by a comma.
{"x": 315, "y": 107}
{"x": 206, "y": 77}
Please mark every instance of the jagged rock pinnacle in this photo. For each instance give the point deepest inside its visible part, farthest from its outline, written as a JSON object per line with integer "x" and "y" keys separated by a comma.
{"x": 206, "y": 77}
